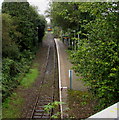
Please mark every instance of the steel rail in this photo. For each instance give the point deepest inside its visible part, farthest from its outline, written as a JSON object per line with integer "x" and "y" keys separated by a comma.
{"x": 37, "y": 99}
{"x": 35, "y": 112}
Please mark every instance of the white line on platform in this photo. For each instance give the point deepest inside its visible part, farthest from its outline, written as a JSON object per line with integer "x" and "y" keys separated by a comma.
{"x": 60, "y": 94}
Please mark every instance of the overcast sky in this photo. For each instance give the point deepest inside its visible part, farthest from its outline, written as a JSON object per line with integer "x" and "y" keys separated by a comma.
{"x": 42, "y": 5}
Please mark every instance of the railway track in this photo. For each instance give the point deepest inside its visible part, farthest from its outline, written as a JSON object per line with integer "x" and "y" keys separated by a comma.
{"x": 48, "y": 86}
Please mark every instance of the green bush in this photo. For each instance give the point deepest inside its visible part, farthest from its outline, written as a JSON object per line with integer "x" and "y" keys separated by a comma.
{"x": 96, "y": 59}
{"x": 95, "y": 54}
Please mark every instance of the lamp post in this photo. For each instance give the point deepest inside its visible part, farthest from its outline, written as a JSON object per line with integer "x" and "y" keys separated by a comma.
{"x": 74, "y": 43}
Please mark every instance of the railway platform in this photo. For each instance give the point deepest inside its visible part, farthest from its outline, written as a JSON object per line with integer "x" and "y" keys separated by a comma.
{"x": 64, "y": 81}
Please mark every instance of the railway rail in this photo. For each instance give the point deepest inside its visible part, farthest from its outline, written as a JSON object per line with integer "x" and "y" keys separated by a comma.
{"x": 48, "y": 87}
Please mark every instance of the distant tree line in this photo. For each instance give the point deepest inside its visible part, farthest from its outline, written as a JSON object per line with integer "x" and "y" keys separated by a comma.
{"x": 22, "y": 31}
{"x": 95, "y": 55}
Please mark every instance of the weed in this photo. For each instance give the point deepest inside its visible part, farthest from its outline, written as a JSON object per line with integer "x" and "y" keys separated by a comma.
{"x": 81, "y": 103}
{"x": 29, "y": 78}
{"x": 51, "y": 106}
{"x": 12, "y": 105}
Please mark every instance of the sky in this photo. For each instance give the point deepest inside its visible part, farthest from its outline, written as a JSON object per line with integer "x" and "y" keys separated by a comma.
{"x": 41, "y": 4}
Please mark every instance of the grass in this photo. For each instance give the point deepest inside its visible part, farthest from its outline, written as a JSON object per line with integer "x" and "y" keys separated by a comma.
{"x": 12, "y": 106}
{"x": 29, "y": 78}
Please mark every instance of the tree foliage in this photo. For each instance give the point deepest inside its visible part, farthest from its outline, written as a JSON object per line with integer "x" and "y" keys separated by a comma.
{"x": 20, "y": 35}
{"x": 10, "y": 47}
{"x": 97, "y": 56}
{"x": 27, "y": 20}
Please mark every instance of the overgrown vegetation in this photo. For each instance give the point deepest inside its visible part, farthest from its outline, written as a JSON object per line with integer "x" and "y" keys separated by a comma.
{"x": 30, "y": 77}
{"x": 13, "y": 104}
{"x": 22, "y": 31}
{"x": 94, "y": 45}
{"x": 81, "y": 104}
{"x": 51, "y": 106}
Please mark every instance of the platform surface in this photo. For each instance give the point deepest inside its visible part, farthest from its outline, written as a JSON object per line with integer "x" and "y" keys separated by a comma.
{"x": 110, "y": 112}
{"x": 64, "y": 81}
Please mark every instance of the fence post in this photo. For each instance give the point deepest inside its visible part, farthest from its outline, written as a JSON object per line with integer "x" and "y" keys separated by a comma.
{"x": 70, "y": 78}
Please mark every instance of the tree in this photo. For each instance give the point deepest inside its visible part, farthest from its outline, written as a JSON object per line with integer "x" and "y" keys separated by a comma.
{"x": 27, "y": 20}
{"x": 10, "y": 48}
{"x": 97, "y": 56}
{"x": 20, "y": 41}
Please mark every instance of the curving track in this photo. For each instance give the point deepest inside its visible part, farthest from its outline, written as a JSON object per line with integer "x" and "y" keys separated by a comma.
{"x": 49, "y": 83}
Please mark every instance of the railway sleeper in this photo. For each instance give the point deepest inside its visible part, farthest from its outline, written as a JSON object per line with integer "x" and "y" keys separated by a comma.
{"x": 41, "y": 114}
{"x": 38, "y": 110}
{"x": 45, "y": 100}
{"x": 41, "y": 117}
